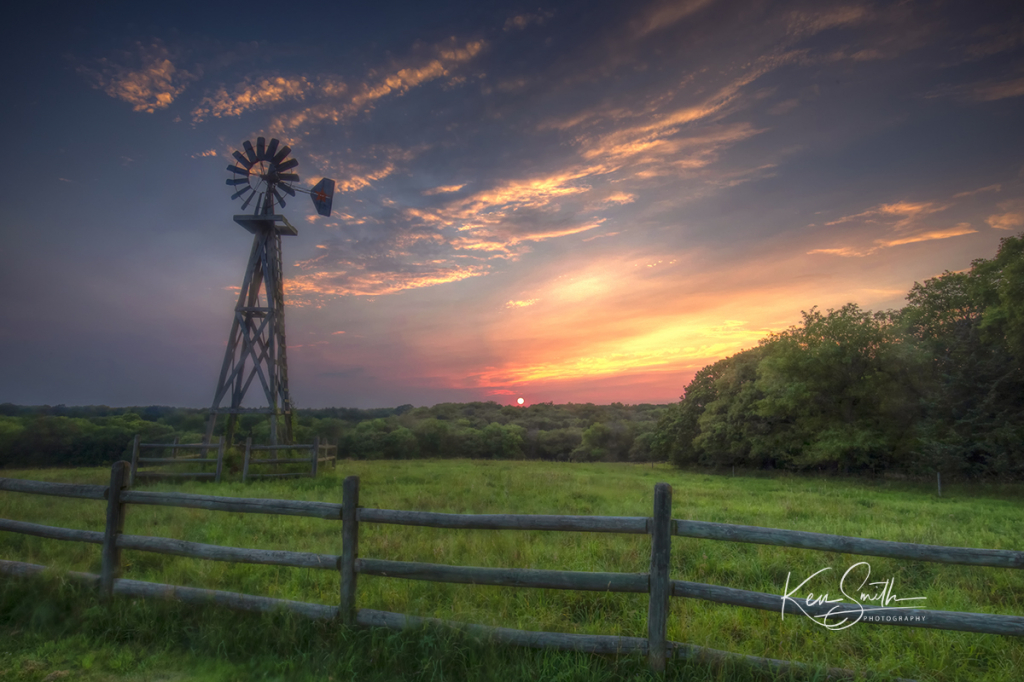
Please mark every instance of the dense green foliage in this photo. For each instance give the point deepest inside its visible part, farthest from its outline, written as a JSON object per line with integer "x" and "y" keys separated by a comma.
{"x": 937, "y": 385}
{"x": 88, "y": 436}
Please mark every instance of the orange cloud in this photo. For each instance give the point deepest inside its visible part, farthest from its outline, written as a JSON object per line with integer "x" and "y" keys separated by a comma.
{"x": 251, "y": 94}
{"x": 900, "y": 214}
{"x": 363, "y": 282}
{"x": 665, "y": 14}
{"x": 341, "y": 100}
{"x": 521, "y": 21}
{"x": 619, "y": 198}
{"x": 992, "y": 91}
{"x": 850, "y": 251}
{"x": 813, "y": 22}
{"x": 990, "y": 188}
{"x": 153, "y": 85}
{"x": 1006, "y": 221}
{"x": 443, "y": 190}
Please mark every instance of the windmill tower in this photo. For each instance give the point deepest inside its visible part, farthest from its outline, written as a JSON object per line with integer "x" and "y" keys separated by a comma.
{"x": 257, "y": 350}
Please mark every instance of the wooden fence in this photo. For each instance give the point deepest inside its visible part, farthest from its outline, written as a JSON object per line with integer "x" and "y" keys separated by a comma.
{"x": 201, "y": 458}
{"x": 317, "y": 453}
{"x": 656, "y": 583}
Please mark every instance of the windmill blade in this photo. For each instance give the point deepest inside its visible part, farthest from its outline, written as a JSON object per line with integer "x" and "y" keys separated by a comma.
{"x": 323, "y": 196}
{"x": 289, "y": 164}
{"x": 261, "y": 151}
{"x": 237, "y": 181}
{"x": 245, "y": 204}
{"x": 287, "y": 189}
{"x": 288, "y": 177}
{"x": 280, "y": 199}
{"x": 242, "y": 160}
{"x": 250, "y": 152}
{"x": 240, "y": 193}
{"x": 282, "y": 155}
{"x": 240, "y": 171}
{"x": 271, "y": 149}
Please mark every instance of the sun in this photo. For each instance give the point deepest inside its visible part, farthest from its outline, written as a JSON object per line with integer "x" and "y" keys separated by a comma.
{"x": 520, "y": 401}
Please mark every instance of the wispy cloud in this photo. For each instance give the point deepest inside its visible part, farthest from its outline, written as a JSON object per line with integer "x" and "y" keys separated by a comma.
{"x": 662, "y": 15}
{"x": 899, "y": 215}
{"x": 447, "y": 189}
{"x": 520, "y": 21}
{"x": 1010, "y": 220}
{"x": 336, "y": 101}
{"x": 358, "y": 280}
{"x": 879, "y": 244}
{"x": 145, "y": 78}
{"x": 807, "y": 23}
{"x": 980, "y": 190}
{"x": 521, "y": 304}
{"x": 251, "y": 94}
{"x": 995, "y": 90}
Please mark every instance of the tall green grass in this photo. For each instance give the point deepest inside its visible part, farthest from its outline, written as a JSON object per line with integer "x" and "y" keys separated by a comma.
{"x": 987, "y": 516}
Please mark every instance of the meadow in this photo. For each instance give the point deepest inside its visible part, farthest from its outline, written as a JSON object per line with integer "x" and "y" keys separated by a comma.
{"x": 145, "y": 640}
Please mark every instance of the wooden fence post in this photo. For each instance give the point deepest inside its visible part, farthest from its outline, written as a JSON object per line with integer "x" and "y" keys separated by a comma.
{"x": 174, "y": 451}
{"x": 220, "y": 458}
{"x": 660, "y": 586}
{"x": 111, "y": 569}
{"x": 349, "y": 549}
{"x": 316, "y": 454}
{"x": 245, "y": 462}
{"x": 135, "y": 461}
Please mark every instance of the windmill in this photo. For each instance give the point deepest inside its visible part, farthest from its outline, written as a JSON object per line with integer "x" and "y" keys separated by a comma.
{"x": 256, "y": 347}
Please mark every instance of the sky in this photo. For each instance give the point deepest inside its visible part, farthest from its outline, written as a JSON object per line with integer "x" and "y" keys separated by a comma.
{"x": 562, "y": 201}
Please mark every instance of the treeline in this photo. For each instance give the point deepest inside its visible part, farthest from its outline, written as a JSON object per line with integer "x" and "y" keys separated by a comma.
{"x": 937, "y": 385}
{"x": 95, "y": 435}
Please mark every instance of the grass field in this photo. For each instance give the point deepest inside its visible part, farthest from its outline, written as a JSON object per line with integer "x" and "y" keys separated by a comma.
{"x": 136, "y": 640}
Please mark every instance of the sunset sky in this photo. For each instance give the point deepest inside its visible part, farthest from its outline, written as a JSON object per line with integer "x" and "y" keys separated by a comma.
{"x": 568, "y": 202}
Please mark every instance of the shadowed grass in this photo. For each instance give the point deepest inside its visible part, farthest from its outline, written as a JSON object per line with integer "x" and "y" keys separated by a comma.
{"x": 979, "y": 516}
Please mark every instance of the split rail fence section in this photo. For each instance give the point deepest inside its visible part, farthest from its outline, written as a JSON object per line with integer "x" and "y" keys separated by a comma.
{"x": 656, "y": 583}
{"x": 201, "y": 458}
{"x": 317, "y": 453}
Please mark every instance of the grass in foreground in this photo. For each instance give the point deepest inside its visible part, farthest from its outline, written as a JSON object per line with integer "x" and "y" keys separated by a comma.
{"x": 981, "y": 516}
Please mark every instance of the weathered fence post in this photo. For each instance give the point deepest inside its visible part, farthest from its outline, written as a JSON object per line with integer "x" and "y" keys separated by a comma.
{"x": 938, "y": 478}
{"x": 135, "y": 461}
{"x": 220, "y": 458}
{"x": 245, "y": 462}
{"x": 316, "y": 454}
{"x": 660, "y": 587}
{"x": 349, "y": 549}
{"x": 111, "y": 569}
{"x": 174, "y": 451}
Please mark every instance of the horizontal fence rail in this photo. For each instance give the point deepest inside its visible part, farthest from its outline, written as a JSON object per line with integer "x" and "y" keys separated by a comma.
{"x": 999, "y": 558}
{"x": 921, "y": 618}
{"x": 507, "y": 577}
{"x": 593, "y": 524}
{"x": 87, "y": 492}
{"x": 198, "y": 550}
{"x": 349, "y": 565}
{"x": 245, "y": 505}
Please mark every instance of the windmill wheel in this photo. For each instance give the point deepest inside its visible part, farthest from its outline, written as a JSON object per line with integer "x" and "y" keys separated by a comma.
{"x": 261, "y": 172}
